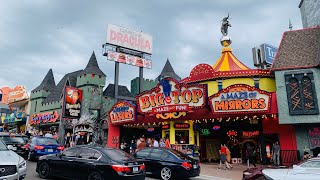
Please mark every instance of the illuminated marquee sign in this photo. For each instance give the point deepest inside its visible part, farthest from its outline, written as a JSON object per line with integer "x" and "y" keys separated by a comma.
{"x": 182, "y": 125}
{"x": 122, "y": 111}
{"x": 249, "y": 134}
{"x": 46, "y": 117}
{"x": 166, "y": 126}
{"x": 240, "y": 98}
{"x": 171, "y": 96}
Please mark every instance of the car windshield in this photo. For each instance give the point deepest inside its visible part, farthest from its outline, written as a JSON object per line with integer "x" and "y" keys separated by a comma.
{"x": 13, "y": 139}
{"x": 3, "y": 147}
{"x": 47, "y": 141}
{"x": 118, "y": 155}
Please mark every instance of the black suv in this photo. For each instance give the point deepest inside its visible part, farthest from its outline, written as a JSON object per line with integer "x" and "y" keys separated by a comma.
{"x": 15, "y": 143}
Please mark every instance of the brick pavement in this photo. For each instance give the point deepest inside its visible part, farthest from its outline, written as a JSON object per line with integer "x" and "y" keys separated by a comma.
{"x": 211, "y": 169}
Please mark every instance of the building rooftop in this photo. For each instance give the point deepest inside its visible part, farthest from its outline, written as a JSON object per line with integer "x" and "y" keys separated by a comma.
{"x": 298, "y": 49}
{"x": 93, "y": 67}
{"x": 47, "y": 83}
{"x": 69, "y": 79}
{"x": 123, "y": 91}
{"x": 168, "y": 71}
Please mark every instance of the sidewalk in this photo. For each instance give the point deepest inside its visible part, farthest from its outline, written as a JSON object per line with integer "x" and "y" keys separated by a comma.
{"x": 211, "y": 169}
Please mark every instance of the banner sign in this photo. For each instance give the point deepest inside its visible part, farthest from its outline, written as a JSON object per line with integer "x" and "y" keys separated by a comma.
{"x": 249, "y": 134}
{"x": 18, "y": 93}
{"x": 314, "y": 137}
{"x": 128, "y": 38}
{"x": 171, "y": 96}
{"x": 18, "y": 115}
{"x": 73, "y": 101}
{"x": 122, "y": 111}
{"x": 46, "y": 117}
{"x": 240, "y": 98}
{"x": 269, "y": 52}
{"x": 181, "y": 125}
{"x": 129, "y": 59}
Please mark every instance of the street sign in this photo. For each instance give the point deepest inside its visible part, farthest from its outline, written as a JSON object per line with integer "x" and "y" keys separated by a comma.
{"x": 268, "y": 52}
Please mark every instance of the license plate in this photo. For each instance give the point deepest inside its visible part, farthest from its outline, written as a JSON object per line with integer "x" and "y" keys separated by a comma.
{"x": 14, "y": 148}
{"x": 195, "y": 166}
{"x": 50, "y": 150}
{"x": 135, "y": 169}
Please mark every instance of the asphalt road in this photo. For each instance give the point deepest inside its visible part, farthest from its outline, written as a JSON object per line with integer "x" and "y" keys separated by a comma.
{"x": 33, "y": 175}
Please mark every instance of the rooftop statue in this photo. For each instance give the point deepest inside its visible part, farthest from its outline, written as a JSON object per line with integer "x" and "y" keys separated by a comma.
{"x": 224, "y": 26}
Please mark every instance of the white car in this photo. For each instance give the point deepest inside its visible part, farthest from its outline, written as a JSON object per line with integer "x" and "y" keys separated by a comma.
{"x": 12, "y": 166}
{"x": 309, "y": 170}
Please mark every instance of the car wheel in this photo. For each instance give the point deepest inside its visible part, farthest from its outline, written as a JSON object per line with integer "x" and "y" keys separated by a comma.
{"x": 30, "y": 156}
{"x": 166, "y": 173}
{"x": 95, "y": 176}
{"x": 44, "y": 170}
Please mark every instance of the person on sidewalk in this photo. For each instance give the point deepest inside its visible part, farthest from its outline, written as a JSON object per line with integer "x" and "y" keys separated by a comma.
{"x": 251, "y": 155}
{"x": 167, "y": 142}
{"x": 276, "y": 153}
{"x": 223, "y": 158}
{"x": 155, "y": 143}
{"x": 228, "y": 154}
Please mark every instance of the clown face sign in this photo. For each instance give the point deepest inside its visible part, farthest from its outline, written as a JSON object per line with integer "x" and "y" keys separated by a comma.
{"x": 171, "y": 96}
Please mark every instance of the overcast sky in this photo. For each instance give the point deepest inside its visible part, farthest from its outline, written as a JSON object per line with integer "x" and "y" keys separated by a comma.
{"x": 37, "y": 35}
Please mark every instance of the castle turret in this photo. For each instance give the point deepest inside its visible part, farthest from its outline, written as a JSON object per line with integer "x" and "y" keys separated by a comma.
{"x": 168, "y": 71}
{"x": 40, "y": 93}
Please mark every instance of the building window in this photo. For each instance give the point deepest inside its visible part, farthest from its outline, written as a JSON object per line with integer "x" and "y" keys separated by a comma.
{"x": 219, "y": 84}
{"x": 35, "y": 107}
{"x": 301, "y": 93}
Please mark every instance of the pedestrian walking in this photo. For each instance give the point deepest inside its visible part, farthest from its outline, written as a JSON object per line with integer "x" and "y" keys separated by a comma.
{"x": 223, "y": 158}
{"x": 155, "y": 143}
{"x": 162, "y": 144}
{"x": 133, "y": 145}
{"x": 228, "y": 156}
{"x": 167, "y": 142}
{"x": 251, "y": 155}
{"x": 276, "y": 154}
{"x": 142, "y": 144}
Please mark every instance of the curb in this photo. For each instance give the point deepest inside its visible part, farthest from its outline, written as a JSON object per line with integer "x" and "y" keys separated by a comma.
{"x": 211, "y": 177}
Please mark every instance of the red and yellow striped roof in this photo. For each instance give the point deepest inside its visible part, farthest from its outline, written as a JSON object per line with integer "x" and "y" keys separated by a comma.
{"x": 228, "y": 62}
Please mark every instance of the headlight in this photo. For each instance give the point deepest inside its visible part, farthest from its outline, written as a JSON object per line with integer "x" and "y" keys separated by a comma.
{"x": 22, "y": 163}
{"x": 247, "y": 173}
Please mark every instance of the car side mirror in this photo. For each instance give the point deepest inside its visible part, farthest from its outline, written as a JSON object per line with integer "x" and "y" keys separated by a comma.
{"x": 61, "y": 155}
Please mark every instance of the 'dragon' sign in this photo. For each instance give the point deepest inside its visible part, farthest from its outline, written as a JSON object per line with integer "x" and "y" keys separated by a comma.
{"x": 240, "y": 98}
{"x": 122, "y": 111}
{"x": 171, "y": 96}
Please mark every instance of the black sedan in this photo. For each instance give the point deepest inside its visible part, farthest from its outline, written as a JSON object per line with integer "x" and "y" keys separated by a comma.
{"x": 15, "y": 143}
{"x": 92, "y": 163}
{"x": 168, "y": 163}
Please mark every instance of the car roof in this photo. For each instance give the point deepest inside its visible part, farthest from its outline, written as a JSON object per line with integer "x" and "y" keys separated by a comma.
{"x": 315, "y": 159}
{"x": 7, "y": 134}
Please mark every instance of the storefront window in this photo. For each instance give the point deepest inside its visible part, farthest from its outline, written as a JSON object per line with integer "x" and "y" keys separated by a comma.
{"x": 167, "y": 134}
{"x": 182, "y": 136}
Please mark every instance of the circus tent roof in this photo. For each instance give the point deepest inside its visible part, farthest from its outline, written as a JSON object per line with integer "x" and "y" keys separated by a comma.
{"x": 228, "y": 62}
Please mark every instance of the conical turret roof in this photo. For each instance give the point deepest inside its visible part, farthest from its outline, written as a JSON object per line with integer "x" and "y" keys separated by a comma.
{"x": 228, "y": 62}
{"x": 168, "y": 71}
{"x": 47, "y": 83}
{"x": 93, "y": 67}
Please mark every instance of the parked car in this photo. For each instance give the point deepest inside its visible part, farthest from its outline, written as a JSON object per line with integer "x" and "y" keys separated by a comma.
{"x": 15, "y": 143}
{"x": 25, "y": 138}
{"x": 39, "y": 146}
{"x": 168, "y": 163}
{"x": 308, "y": 170}
{"x": 12, "y": 166}
{"x": 92, "y": 163}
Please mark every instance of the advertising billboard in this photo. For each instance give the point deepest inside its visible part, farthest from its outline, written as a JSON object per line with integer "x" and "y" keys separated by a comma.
{"x": 128, "y": 59}
{"x": 122, "y": 111}
{"x": 73, "y": 101}
{"x": 171, "y": 96}
{"x": 240, "y": 98}
{"x": 16, "y": 94}
{"x": 128, "y": 38}
{"x": 268, "y": 53}
{"x": 46, "y": 117}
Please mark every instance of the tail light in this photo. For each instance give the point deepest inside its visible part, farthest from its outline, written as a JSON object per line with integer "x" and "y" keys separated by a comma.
{"x": 142, "y": 167}
{"x": 61, "y": 148}
{"x": 120, "y": 168}
{"x": 38, "y": 147}
{"x": 186, "y": 165}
